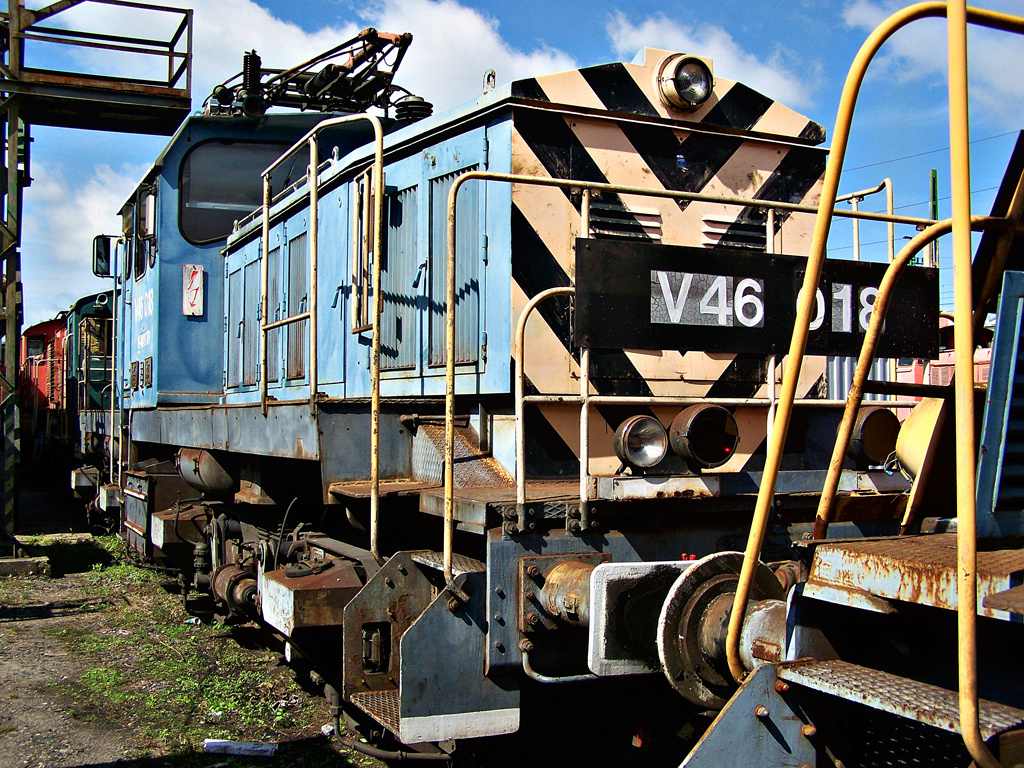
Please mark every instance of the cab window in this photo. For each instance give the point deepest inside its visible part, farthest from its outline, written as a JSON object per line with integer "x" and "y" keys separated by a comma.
{"x": 221, "y": 182}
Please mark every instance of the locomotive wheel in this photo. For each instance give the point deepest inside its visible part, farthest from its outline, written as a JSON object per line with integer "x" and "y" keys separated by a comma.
{"x": 692, "y": 619}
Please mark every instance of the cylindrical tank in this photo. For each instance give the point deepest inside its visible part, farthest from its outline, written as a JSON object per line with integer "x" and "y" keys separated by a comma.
{"x": 566, "y": 592}
{"x": 204, "y": 472}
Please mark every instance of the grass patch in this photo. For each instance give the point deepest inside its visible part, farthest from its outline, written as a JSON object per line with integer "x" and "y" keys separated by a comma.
{"x": 175, "y": 683}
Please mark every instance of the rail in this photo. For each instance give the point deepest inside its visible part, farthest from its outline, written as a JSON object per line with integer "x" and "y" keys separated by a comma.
{"x": 179, "y": 62}
{"x": 958, "y": 15}
{"x": 855, "y": 198}
{"x": 585, "y": 400}
{"x": 310, "y": 139}
{"x": 586, "y": 189}
{"x": 105, "y": 369}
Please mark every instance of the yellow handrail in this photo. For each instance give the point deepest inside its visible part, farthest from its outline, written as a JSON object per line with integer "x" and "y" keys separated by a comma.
{"x": 586, "y": 188}
{"x": 963, "y": 335}
{"x": 867, "y": 355}
{"x": 310, "y": 139}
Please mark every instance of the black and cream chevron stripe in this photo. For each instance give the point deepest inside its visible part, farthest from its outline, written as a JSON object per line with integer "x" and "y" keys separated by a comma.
{"x": 561, "y": 130}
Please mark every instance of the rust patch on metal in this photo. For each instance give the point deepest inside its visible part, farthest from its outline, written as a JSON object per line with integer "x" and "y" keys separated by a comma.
{"x": 765, "y": 651}
{"x": 318, "y": 600}
{"x": 919, "y": 569}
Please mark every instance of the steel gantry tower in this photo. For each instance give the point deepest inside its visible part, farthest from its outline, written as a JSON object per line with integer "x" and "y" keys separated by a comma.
{"x": 71, "y": 99}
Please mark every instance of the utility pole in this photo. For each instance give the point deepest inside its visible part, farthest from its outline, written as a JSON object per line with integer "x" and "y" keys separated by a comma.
{"x": 933, "y": 214}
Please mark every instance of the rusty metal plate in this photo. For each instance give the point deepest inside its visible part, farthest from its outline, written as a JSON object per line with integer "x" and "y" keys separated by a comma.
{"x": 623, "y": 488}
{"x": 317, "y": 600}
{"x": 917, "y": 569}
{"x": 187, "y": 525}
{"x": 1011, "y": 600}
{"x": 899, "y": 696}
{"x": 397, "y": 595}
{"x": 360, "y": 490}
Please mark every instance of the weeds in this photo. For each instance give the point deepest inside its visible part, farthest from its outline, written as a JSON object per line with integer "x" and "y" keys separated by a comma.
{"x": 146, "y": 667}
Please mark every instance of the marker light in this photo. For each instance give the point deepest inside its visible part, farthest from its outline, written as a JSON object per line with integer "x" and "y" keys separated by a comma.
{"x": 685, "y": 82}
{"x": 641, "y": 441}
{"x": 705, "y": 436}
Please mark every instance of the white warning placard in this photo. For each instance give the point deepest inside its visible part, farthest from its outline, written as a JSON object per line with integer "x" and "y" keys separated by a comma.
{"x": 192, "y": 290}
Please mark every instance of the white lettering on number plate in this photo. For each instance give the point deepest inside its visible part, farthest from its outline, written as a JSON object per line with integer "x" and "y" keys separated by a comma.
{"x": 694, "y": 298}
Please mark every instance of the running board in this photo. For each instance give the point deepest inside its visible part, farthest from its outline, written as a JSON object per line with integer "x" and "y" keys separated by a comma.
{"x": 899, "y": 696}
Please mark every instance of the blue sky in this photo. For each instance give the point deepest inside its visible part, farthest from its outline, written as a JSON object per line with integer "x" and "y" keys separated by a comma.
{"x": 796, "y": 51}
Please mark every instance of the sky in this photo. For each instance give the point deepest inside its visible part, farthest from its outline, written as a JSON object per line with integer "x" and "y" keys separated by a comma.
{"x": 795, "y": 51}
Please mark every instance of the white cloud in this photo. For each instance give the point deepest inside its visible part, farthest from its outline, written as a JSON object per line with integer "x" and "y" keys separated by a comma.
{"x": 61, "y": 218}
{"x": 916, "y": 55}
{"x": 453, "y": 46}
{"x": 443, "y": 73}
{"x": 775, "y": 76}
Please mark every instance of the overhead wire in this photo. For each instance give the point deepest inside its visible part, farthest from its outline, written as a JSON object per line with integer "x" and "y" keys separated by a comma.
{"x": 927, "y": 152}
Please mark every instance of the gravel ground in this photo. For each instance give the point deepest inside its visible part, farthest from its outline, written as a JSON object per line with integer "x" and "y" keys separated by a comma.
{"x": 43, "y": 723}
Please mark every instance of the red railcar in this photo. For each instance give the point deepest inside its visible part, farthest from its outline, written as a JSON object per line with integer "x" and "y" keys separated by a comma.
{"x": 42, "y": 387}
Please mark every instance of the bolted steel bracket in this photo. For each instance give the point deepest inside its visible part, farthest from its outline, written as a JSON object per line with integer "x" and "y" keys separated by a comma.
{"x": 580, "y": 518}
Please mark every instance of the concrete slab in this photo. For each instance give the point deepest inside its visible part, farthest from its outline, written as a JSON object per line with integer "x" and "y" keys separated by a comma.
{"x": 25, "y": 566}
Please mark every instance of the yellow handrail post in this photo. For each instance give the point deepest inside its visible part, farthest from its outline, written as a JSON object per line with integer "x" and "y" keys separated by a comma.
{"x": 963, "y": 344}
{"x": 867, "y": 354}
{"x": 310, "y": 141}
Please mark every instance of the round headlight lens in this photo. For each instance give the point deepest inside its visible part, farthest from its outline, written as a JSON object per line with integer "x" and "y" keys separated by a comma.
{"x": 641, "y": 441}
{"x": 686, "y": 82}
{"x": 704, "y": 435}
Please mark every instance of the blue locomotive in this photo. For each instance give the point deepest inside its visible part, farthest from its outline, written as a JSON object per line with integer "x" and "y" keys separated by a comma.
{"x": 451, "y": 400}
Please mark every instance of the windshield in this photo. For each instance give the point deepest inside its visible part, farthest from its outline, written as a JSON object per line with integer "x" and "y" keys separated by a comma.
{"x": 221, "y": 183}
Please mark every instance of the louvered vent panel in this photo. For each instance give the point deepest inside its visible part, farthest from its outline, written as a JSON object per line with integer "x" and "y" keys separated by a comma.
{"x": 723, "y": 231}
{"x": 614, "y": 221}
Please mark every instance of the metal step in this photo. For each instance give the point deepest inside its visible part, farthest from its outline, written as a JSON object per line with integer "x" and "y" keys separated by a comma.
{"x": 473, "y": 468}
{"x": 460, "y": 563}
{"x": 1011, "y": 600}
{"x": 362, "y": 490}
{"x": 898, "y": 696}
{"x": 916, "y": 569}
{"x": 383, "y": 706}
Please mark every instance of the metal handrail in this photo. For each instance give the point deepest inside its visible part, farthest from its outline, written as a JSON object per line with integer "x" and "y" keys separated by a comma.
{"x": 879, "y": 310}
{"x": 111, "y": 42}
{"x": 585, "y": 400}
{"x": 958, "y": 14}
{"x": 310, "y": 139}
{"x": 586, "y": 188}
{"x": 855, "y": 198}
{"x": 520, "y": 387}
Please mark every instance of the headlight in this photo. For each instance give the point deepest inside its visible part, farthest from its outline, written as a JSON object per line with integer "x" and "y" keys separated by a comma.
{"x": 685, "y": 82}
{"x": 874, "y": 437}
{"x": 705, "y": 436}
{"x": 641, "y": 441}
